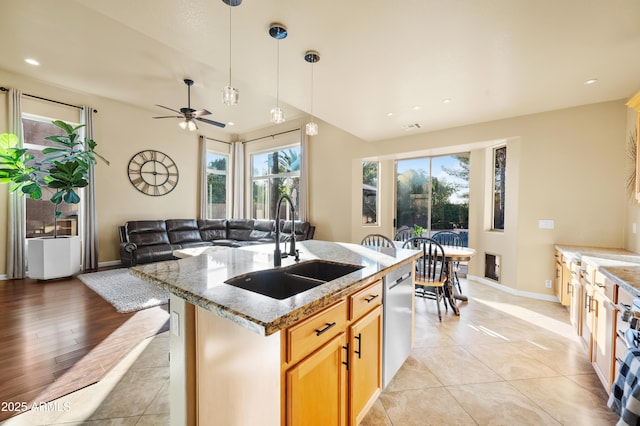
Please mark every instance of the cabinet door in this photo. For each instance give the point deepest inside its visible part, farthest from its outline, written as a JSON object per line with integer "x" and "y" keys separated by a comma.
{"x": 558, "y": 281}
{"x": 603, "y": 338}
{"x": 366, "y": 364}
{"x": 316, "y": 388}
{"x": 576, "y": 308}
{"x": 587, "y": 314}
{"x": 567, "y": 287}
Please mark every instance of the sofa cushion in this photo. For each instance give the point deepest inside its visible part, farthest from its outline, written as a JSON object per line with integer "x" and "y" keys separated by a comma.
{"x": 154, "y": 253}
{"x": 262, "y": 230}
{"x": 301, "y": 229}
{"x": 147, "y": 232}
{"x": 240, "y": 229}
{"x": 212, "y": 229}
{"x": 183, "y": 231}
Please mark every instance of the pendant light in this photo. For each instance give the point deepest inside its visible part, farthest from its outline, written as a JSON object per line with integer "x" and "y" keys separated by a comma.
{"x": 230, "y": 94}
{"x": 278, "y": 32}
{"x": 312, "y": 57}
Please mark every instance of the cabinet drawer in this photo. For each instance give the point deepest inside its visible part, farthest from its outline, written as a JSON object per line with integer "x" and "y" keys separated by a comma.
{"x": 308, "y": 335}
{"x": 365, "y": 299}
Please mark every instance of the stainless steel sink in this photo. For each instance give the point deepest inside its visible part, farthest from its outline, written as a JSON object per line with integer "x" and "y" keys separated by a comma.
{"x": 281, "y": 283}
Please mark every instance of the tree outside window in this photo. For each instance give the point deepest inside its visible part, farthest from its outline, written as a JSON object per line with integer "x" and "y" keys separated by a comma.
{"x": 370, "y": 192}
{"x": 274, "y": 174}
{"x": 216, "y": 185}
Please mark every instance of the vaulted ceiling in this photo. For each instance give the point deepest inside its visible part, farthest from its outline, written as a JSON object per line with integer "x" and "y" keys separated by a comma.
{"x": 384, "y": 65}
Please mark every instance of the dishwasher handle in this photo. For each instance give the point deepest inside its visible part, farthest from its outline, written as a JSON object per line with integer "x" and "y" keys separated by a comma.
{"x": 399, "y": 280}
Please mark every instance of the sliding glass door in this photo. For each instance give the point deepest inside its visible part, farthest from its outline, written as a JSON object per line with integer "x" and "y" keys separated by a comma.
{"x": 432, "y": 194}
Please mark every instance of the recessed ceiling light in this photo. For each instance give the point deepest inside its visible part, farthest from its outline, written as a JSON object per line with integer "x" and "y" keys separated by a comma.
{"x": 446, "y": 101}
{"x": 416, "y": 107}
{"x": 231, "y": 123}
{"x": 32, "y": 61}
{"x": 591, "y": 81}
{"x": 389, "y": 114}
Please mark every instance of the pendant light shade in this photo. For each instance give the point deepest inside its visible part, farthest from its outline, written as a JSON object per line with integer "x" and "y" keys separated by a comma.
{"x": 230, "y": 95}
{"x": 312, "y": 57}
{"x": 278, "y": 32}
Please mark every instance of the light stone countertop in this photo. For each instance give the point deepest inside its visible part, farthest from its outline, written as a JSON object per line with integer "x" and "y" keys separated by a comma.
{"x": 199, "y": 279}
{"x": 619, "y": 265}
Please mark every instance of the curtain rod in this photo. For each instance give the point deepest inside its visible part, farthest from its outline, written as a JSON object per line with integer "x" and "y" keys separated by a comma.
{"x": 217, "y": 140}
{"x": 272, "y": 136}
{"x": 4, "y": 89}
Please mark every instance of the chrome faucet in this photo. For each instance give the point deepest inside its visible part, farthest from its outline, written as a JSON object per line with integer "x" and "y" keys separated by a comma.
{"x": 277, "y": 255}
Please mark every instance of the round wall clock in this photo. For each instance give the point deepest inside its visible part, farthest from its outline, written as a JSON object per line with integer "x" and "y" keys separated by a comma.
{"x": 153, "y": 173}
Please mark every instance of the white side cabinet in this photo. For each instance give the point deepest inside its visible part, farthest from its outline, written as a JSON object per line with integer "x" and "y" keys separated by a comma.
{"x": 50, "y": 258}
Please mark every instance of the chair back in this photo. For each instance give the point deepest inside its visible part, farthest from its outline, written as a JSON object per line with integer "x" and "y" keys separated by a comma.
{"x": 448, "y": 238}
{"x": 403, "y": 234}
{"x": 431, "y": 266}
{"x": 377, "y": 240}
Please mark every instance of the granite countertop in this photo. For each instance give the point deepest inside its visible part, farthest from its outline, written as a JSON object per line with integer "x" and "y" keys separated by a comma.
{"x": 199, "y": 279}
{"x": 619, "y": 265}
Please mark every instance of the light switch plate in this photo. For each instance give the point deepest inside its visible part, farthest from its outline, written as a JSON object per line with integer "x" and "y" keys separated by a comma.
{"x": 546, "y": 224}
{"x": 175, "y": 323}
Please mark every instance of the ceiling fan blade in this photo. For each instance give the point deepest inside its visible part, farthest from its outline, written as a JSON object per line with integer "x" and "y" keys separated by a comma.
{"x": 215, "y": 123}
{"x": 170, "y": 116}
{"x": 170, "y": 109}
{"x": 200, "y": 112}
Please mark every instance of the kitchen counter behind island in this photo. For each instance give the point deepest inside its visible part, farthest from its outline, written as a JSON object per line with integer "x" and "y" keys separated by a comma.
{"x": 228, "y": 349}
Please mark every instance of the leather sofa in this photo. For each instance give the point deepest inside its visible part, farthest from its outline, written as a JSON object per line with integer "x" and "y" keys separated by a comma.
{"x": 145, "y": 241}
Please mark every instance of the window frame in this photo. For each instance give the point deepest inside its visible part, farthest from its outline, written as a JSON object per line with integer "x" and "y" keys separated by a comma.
{"x": 228, "y": 187}
{"x": 494, "y": 189}
{"x": 376, "y": 222}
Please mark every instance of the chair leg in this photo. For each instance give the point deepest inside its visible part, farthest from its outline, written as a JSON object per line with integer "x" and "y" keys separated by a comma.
{"x": 438, "y": 304}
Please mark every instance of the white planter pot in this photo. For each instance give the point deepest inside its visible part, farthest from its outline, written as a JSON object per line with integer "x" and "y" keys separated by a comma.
{"x": 53, "y": 257}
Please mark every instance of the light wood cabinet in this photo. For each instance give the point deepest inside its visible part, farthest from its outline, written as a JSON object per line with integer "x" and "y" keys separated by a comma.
{"x": 563, "y": 286}
{"x": 316, "y": 387}
{"x": 575, "y": 311}
{"x": 332, "y": 362}
{"x": 603, "y": 338}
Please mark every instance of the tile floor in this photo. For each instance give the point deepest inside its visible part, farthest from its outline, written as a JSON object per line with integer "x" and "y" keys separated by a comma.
{"x": 506, "y": 360}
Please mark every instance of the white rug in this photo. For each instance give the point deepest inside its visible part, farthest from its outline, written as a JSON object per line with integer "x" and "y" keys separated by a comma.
{"x": 124, "y": 291}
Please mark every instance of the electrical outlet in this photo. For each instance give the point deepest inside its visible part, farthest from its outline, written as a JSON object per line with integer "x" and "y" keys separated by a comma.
{"x": 548, "y": 283}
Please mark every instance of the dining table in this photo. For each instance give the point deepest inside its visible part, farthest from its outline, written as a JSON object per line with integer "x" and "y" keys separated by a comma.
{"x": 454, "y": 255}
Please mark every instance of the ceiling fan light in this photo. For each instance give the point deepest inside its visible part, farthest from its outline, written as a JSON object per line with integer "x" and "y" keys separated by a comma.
{"x": 230, "y": 96}
{"x": 311, "y": 128}
{"x": 183, "y": 125}
{"x": 191, "y": 125}
{"x": 277, "y": 115}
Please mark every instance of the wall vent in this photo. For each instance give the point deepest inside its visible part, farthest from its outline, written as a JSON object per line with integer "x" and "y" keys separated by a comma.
{"x": 412, "y": 126}
{"x": 492, "y": 266}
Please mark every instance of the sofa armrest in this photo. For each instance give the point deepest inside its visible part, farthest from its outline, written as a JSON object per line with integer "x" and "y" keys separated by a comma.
{"x": 128, "y": 247}
{"x": 128, "y": 254}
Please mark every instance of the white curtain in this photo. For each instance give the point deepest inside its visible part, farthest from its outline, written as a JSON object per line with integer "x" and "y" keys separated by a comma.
{"x": 16, "y": 226}
{"x": 238, "y": 180}
{"x": 303, "y": 214}
{"x": 203, "y": 177}
{"x": 89, "y": 215}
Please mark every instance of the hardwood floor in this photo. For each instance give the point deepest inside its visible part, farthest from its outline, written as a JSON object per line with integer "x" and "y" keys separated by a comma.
{"x": 59, "y": 336}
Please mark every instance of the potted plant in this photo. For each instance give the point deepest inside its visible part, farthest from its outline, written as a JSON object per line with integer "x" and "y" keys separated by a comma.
{"x": 63, "y": 169}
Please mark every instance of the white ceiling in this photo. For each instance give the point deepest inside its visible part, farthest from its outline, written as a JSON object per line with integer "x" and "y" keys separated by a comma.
{"x": 493, "y": 58}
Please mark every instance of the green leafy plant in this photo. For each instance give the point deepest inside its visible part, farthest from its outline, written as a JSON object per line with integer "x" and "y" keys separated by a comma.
{"x": 418, "y": 230}
{"x": 63, "y": 169}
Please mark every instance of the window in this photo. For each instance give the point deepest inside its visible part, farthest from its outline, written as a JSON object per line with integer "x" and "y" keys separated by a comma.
{"x": 499, "y": 184}
{"x": 40, "y": 213}
{"x": 217, "y": 166}
{"x": 274, "y": 174}
{"x": 370, "y": 170}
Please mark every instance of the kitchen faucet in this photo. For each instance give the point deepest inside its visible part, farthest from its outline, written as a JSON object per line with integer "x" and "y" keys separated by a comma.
{"x": 277, "y": 255}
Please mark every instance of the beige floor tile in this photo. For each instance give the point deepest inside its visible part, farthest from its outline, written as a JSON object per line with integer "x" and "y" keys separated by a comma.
{"x": 453, "y": 365}
{"x": 509, "y": 362}
{"x": 499, "y": 404}
{"x": 154, "y": 420}
{"x": 412, "y": 375}
{"x": 160, "y": 404}
{"x": 566, "y": 402}
{"x": 433, "y": 406}
{"x": 377, "y": 416}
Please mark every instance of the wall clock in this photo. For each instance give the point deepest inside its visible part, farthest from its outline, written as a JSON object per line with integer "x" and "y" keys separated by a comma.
{"x": 153, "y": 173}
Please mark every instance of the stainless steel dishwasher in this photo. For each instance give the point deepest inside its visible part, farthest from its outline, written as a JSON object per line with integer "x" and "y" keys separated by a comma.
{"x": 397, "y": 311}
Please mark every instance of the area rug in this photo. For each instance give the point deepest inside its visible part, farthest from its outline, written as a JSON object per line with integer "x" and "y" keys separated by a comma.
{"x": 124, "y": 291}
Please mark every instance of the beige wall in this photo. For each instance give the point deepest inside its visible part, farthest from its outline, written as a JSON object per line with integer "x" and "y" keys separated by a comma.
{"x": 632, "y": 240}
{"x": 564, "y": 165}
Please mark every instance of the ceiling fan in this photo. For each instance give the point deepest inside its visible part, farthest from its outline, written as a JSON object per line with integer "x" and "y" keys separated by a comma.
{"x": 190, "y": 115}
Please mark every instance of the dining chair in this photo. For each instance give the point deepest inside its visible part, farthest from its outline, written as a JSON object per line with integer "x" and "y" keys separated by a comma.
{"x": 403, "y": 234}
{"x": 377, "y": 240}
{"x": 450, "y": 238}
{"x": 431, "y": 270}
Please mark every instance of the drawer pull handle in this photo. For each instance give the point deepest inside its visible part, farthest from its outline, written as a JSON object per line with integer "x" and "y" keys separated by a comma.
{"x": 327, "y": 327}
{"x": 370, "y": 298}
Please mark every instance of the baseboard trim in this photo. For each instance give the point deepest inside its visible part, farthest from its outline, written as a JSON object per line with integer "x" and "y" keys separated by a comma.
{"x": 109, "y": 263}
{"x": 498, "y": 286}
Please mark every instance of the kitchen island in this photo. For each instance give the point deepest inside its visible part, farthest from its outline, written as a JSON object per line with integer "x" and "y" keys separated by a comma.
{"x": 237, "y": 355}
